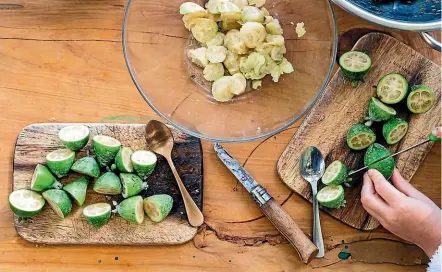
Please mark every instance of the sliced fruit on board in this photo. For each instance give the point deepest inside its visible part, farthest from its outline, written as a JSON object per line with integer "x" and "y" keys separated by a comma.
{"x": 87, "y": 166}
{"x": 106, "y": 148}
{"x": 59, "y": 202}
{"x": 376, "y": 152}
{"x": 331, "y": 196}
{"x": 421, "y": 99}
{"x": 97, "y": 214}
{"x": 123, "y": 160}
{"x": 394, "y": 130}
{"x": 26, "y": 203}
{"x": 60, "y": 161}
{"x": 378, "y": 111}
{"x": 335, "y": 174}
{"x": 354, "y": 65}
{"x": 144, "y": 163}
{"x": 131, "y": 209}
{"x": 108, "y": 184}
{"x": 392, "y": 88}
{"x": 42, "y": 179}
{"x": 132, "y": 184}
{"x": 360, "y": 136}
{"x": 74, "y": 137}
{"x": 77, "y": 189}
{"x": 157, "y": 207}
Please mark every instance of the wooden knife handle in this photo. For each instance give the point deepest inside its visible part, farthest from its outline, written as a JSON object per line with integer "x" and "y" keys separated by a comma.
{"x": 288, "y": 227}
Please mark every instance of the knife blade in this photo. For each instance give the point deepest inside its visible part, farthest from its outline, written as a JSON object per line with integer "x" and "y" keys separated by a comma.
{"x": 274, "y": 212}
{"x": 431, "y": 138}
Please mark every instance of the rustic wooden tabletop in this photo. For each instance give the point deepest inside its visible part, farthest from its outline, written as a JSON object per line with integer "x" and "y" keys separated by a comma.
{"x": 62, "y": 61}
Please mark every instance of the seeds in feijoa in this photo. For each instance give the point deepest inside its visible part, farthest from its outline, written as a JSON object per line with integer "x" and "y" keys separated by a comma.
{"x": 331, "y": 196}
{"x": 360, "y": 137}
{"x": 394, "y": 130}
{"x": 335, "y": 174}
{"x": 354, "y": 65}
{"x": 392, "y": 88}
{"x": 421, "y": 99}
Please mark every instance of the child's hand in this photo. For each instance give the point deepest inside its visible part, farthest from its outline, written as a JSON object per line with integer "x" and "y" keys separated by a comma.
{"x": 402, "y": 209}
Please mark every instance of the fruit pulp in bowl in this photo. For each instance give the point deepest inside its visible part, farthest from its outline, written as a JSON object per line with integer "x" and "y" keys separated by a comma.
{"x": 154, "y": 45}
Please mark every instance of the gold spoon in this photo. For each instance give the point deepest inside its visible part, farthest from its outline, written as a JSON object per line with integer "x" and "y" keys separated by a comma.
{"x": 159, "y": 138}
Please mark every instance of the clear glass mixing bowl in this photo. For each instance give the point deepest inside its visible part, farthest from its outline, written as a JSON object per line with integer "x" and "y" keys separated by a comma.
{"x": 154, "y": 43}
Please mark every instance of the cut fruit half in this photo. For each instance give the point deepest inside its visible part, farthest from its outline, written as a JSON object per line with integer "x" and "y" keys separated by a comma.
{"x": 74, "y": 137}
{"x": 123, "y": 160}
{"x": 335, "y": 174}
{"x": 59, "y": 202}
{"x": 354, "y": 65}
{"x": 26, "y": 203}
{"x": 144, "y": 163}
{"x": 42, "y": 179}
{"x": 331, "y": 196}
{"x": 157, "y": 207}
{"x": 108, "y": 184}
{"x": 378, "y": 111}
{"x": 394, "y": 130}
{"x": 360, "y": 137}
{"x": 132, "y": 184}
{"x": 421, "y": 99}
{"x": 106, "y": 148}
{"x": 97, "y": 214}
{"x": 87, "y": 166}
{"x": 77, "y": 189}
{"x": 60, "y": 161}
{"x": 131, "y": 209}
{"x": 392, "y": 88}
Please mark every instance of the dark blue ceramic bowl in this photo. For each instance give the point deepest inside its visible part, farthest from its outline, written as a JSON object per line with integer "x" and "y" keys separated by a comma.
{"x": 418, "y": 15}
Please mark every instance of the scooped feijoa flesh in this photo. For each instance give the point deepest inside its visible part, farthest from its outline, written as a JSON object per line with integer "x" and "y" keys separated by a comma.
{"x": 77, "y": 189}
{"x": 87, "y": 166}
{"x": 26, "y": 203}
{"x": 360, "y": 136}
{"x": 394, "y": 130}
{"x": 131, "y": 209}
{"x": 335, "y": 174}
{"x": 59, "y": 202}
{"x": 157, "y": 207}
{"x": 106, "y": 148}
{"x": 42, "y": 179}
{"x": 421, "y": 99}
{"x": 331, "y": 196}
{"x": 60, "y": 161}
{"x": 74, "y": 137}
{"x": 97, "y": 214}
{"x": 392, "y": 88}
{"x": 108, "y": 184}
{"x": 375, "y": 152}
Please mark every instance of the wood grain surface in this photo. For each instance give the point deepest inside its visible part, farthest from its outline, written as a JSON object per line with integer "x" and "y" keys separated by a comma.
{"x": 61, "y": 61}
{"x": 341, "y": 105}
{"x": 36, "y": 140}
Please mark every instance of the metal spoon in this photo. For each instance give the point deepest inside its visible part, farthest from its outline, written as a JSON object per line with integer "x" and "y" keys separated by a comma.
{"x": 159, "y": 138}
{"x": 312, "y": 167}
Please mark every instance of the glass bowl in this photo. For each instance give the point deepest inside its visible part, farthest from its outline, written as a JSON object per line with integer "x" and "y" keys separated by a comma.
{"x": 154, "y": 44}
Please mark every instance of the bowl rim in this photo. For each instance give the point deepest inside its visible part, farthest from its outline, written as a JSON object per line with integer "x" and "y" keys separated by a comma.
{"x": 236, "y": 140}
{"x": 390, "y": 23}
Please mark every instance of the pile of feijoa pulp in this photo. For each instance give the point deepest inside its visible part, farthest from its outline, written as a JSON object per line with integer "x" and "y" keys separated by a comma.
{"x": 391, "y": 90}
{"x": 116, "y": 170}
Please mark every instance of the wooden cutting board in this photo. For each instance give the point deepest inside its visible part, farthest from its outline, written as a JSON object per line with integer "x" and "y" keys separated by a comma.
{"x": 36, "y": 140}
{"x": 340, "y": 106}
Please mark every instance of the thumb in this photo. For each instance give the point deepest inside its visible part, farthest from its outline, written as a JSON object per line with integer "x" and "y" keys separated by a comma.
{"x": 437, "y": 131}
{"x": 384, "y": 188}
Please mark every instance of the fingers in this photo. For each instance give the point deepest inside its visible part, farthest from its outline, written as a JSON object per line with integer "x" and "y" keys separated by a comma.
{"x": 387, "y": 191}
{"x": 371, "y": 201}
{"x": 437, "y": 131}
{"x": 406, "y": 188}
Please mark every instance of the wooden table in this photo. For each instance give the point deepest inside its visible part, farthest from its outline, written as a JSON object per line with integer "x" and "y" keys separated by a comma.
{"x": 62, "y": 61}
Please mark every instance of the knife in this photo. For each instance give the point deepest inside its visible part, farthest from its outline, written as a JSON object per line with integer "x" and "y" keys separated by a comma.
{"x": 431, "y": 138}
{"x": 274, "y": 212}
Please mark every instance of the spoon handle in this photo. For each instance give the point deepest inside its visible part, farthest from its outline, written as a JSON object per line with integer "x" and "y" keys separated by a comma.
{"x": 317, "y": 233}
{"x": 194, "y": 215}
